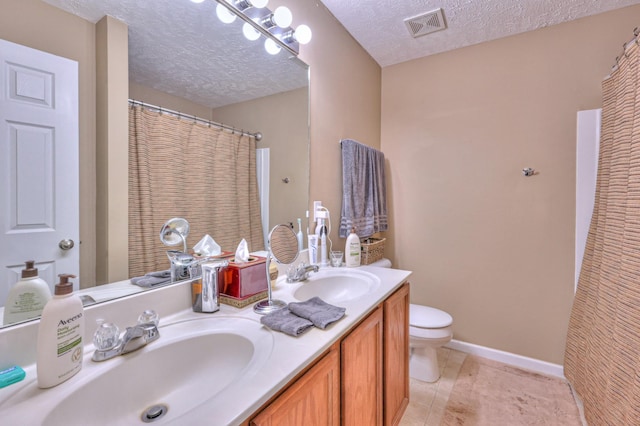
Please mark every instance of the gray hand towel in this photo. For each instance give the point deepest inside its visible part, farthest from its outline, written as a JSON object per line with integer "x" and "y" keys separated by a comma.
{"x": 283, "y": 320}
{"x": 152, "y": 279}
{"x": 364, "y": 190}
{"x": 319, "y": 312}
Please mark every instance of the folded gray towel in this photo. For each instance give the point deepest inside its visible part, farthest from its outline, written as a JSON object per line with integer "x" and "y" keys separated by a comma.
{"x": 152, "y": 279}
{"x": 316, "y": 310}
{"x": 283, "y": 320}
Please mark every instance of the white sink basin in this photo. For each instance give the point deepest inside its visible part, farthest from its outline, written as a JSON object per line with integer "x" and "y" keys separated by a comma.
{"x": 337, "y": 285}
{"x": 191, "y": 363}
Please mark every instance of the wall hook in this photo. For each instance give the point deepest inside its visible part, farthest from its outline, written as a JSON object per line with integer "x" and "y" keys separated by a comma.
{"x": 286, "y": 180}
{"x": 529, "y": 172}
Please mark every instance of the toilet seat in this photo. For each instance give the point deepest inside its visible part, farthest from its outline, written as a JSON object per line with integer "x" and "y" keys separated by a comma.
{"x": 428, "y": 317}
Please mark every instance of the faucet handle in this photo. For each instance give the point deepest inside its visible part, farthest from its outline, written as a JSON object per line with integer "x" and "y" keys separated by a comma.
{"x": 106, "y": 336}
{"x": 293, "y": 272}
{"x": 149, "y": 316}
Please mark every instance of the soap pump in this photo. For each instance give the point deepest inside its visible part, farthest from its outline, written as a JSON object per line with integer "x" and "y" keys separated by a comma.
{"x": 27, "y": 297}
{"x": 352, "y": 249}
{"x": 60, "y": 347}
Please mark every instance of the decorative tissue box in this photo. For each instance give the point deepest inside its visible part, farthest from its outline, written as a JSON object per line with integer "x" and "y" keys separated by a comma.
{"x": 241, "y": 284}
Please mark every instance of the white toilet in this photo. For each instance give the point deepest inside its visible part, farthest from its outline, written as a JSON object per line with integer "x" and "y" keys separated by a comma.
{"x": 429, "y": 329}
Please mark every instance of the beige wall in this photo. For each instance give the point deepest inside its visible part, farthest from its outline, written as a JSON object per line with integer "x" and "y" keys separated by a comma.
{"x": 176, "y": 103}
{"x": 345, "y": 86}
{"x": 488, "y": 245}
{"x": 35, "y": 24}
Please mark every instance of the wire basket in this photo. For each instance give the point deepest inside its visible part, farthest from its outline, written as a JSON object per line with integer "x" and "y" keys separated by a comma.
{"x": 372, "y": 250}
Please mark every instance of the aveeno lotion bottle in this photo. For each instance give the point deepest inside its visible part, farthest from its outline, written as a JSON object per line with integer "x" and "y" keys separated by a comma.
{"x": 60, "y": 334}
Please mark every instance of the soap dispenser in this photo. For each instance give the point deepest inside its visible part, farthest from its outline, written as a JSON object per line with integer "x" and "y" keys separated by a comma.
{"x": 60, "y": 347}
{"x": 352, "y": 249}
{"x": 27, "y": 297}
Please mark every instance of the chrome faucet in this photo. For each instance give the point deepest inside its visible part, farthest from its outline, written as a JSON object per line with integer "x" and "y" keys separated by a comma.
{"x": 300, "y": 273}
{"x": 183, "y": 265}
{"x": 109, "y": 344}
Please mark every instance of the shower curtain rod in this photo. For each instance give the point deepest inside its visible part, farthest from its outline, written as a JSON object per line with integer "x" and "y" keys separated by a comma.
{"x": 256, "y": 135}
{"x": 636, "y": 33}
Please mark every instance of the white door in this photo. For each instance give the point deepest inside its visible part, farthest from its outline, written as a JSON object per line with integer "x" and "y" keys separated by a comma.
{"x": 38, "y": 164}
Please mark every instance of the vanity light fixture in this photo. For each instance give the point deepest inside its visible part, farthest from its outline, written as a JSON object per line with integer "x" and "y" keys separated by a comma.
{"x": 246, "y": 4}
{"x": 259, "y": 20}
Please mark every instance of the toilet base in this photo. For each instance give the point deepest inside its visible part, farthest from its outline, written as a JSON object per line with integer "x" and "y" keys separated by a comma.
{"x": 423, "y": 364}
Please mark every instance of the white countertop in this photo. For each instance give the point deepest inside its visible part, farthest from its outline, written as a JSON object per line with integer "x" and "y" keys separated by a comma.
{"x": 289, "y": 355}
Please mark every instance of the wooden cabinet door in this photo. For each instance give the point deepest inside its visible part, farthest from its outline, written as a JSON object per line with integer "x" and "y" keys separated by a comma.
{"x": 396, "y": 355}
{"x": 361, "y": 364}
{"x": 314, "y": 399}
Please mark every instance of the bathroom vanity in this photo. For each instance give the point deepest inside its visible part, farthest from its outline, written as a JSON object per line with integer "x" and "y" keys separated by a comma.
{"x": 362, "y": 379}
{"x": 226, "y": 368}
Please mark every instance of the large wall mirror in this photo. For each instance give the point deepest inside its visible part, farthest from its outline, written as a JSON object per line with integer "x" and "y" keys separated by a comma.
{"x": 182, "y": 58}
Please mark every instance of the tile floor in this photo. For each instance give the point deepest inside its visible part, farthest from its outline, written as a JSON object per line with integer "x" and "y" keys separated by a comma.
{"x": 428, "y": 400}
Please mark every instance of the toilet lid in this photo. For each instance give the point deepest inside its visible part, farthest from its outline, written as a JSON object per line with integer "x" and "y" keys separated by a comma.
{"x": 428, "y": 317}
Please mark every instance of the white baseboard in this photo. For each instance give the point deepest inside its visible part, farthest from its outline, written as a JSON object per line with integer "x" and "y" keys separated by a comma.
{"x": 520, "y": 361}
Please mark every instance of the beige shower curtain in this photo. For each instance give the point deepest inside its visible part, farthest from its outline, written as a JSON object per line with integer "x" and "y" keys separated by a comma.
{"x": 182, "y": 168}
{"x": 602, "y": 358}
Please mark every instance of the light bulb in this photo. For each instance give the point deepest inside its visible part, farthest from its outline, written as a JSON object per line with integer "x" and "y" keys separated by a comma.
{"x": 259, "y": 3}
{"x": 303, "y": 34}
{"x": 225, "y": 14}
{"x": 249, "y": 32}
{"x": 271, "y": 47}
{"x": 282, "y": 17}
{"x": 197, "y": 1}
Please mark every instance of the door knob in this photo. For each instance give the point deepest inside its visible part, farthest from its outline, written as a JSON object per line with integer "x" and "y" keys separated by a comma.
{"x": 66, "y": 244}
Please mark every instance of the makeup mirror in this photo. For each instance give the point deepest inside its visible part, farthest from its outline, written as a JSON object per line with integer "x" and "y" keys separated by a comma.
{"x": 174, "y": 232}
{"x": 282, "y": 245}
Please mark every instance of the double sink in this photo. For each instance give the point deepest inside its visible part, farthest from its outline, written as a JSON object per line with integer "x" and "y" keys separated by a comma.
{"x": 198, "y": 361}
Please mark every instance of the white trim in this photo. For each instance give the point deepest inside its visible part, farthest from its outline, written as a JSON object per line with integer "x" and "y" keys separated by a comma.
{"x": 520, "y": 361}
{"x": 580, "y": 405}
{"x": 587, "y": 150}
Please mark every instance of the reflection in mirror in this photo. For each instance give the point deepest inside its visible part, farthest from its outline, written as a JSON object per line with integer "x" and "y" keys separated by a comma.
{"x": 283, "y": 244}
{"x": 175, "y": 59}
{"x": 174, "y": 232}
{"x": 283, "y": 247}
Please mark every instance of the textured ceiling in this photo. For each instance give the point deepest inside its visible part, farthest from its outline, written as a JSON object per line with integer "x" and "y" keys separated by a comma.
{"x": 378, "y": 25}
{"x": 181, "y": 48}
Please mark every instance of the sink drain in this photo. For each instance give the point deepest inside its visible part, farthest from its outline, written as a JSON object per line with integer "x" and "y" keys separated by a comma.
{"x": 153, "y": 413}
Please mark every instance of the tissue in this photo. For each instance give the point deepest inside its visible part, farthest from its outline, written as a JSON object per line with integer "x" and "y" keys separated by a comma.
{"x": 207, "y": 247}
{"x": 242, "y": 252}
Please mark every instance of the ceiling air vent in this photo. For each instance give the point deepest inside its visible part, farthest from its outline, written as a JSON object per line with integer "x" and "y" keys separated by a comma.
{"x": 426, "y": 23}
